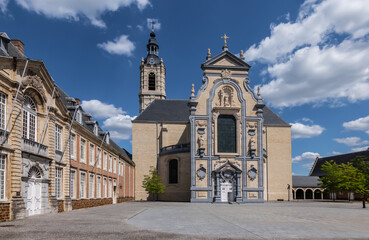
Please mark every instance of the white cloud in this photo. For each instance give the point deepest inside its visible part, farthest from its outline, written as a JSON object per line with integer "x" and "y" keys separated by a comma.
{"x": 359, "y": 149}
{"x": 336, "y": 153}
{"x": 73, "y": 10}
{"x": 119, "y": 46}
{"x": 300, "y": 130}
{"x": 360, "y": 124}
{"x": 308, "y": 165}
{"x": 101, "y": 110}
{"x": 140, "y": 27}
{"x": 157, "y": 24}
{"x": 119, "y": 126}
{"x": 3, "y": 5}
{"x": 304, "y": 55}
{"x": 351, "y": 141}
{"x": 306, "y": 157}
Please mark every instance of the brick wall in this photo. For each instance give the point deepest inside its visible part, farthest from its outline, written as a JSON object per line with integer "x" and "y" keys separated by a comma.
{"x": 87, "y": 203}
{"x": 124, "y": 199}
{"x": 4, "y": 212}
{"x": 60, "y": 206}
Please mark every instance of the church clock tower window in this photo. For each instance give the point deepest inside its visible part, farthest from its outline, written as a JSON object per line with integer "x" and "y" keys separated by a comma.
{"x": 152, "y": 81}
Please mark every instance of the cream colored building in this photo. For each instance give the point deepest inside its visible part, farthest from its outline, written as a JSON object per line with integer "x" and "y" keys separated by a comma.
{"x": 221, "y": 145}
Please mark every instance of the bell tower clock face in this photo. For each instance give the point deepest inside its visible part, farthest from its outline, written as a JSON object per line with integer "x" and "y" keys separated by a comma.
{"x": 151, "y": 60}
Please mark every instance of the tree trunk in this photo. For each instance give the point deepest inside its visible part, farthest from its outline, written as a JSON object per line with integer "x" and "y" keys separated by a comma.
{"x": 364, "y": 202}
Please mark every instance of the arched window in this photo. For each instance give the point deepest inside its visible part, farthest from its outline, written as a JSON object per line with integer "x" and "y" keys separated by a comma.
{"x": 152, "y": 81}
{"x": 173, "y": 171}
{"x": 226, "y": 134}
{"x": 35, "y": 172}
{"x": 29, "y": 119}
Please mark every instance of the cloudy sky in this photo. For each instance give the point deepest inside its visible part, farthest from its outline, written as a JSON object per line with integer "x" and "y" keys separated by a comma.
{"x": 310, "y": 58}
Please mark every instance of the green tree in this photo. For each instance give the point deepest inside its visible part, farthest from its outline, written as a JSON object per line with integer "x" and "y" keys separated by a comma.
{"x": 333, "y": 181}
{"x": 152, "y": 183}
{"x": 361, "y": 163}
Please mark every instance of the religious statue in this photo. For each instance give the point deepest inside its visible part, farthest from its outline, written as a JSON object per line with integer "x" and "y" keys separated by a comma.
{"x": 201, "y": 141}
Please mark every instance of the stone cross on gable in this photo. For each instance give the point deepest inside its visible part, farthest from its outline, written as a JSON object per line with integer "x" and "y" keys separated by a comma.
{"x": 225, "y": 39}
{"x": 152, "y": 25}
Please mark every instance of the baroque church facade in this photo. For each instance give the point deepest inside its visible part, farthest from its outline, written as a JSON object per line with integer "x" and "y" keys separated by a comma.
{"x": 221, "y": 145}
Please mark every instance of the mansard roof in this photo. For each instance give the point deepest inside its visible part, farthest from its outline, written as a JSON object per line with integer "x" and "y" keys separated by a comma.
{"x": 177, "y": 111}
{"x": 316, "y": 170}
{"x": 238, "y": 64}
{"x": 71, "y": 105}
{"x": 11, "y": 50}
{"x": 305, "y": 181}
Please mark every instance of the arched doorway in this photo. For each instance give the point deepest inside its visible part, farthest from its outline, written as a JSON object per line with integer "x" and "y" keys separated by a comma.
{"x": 309, "y": 194}
{"x": 34, "y": 193}
{"x": 317, "y": 194}
{"x": 299, "y": 194}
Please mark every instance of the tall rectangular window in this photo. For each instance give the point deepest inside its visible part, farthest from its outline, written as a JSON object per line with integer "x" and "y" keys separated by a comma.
{"x": 82, "y": 188}
{"x": 71, "y": 146}
{"x": 2, "y": 176}
{"x": 115, "y": 165}
{"x": 2, "y": 110}
{"x": 98, "y": 186}
{"x": 105, "y": 160}
{"x": 72, "y": 184}
{"x": 58, "y": 137}
{"x": 91, "y": 154}
{"x": 99, "y": 158}
{"x": 91, "y": 186}
{"x": 110, "y": 187}
{"x": 58, "y": 182}
{"x": 110, "y": 163}
{"x": 226, "y": 134}
{"x": 83, "y": 144}
{"x": 104, "y": 187}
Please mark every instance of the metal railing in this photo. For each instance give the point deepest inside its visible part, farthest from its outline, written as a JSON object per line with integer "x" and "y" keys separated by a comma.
{"x": 175, "y": 149}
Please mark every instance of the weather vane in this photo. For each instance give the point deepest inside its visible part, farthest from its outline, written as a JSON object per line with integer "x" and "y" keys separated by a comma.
{"x": 152, "y": 25}
{"x": 225, "y": 39}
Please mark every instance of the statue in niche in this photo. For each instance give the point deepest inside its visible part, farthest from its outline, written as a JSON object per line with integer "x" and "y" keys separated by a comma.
{"x": 225, "y": 97}
{"x": 201, "y": 141}
{"x": 252, "y": 143}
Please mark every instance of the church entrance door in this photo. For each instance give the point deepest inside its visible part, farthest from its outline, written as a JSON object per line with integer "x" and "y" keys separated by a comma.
{"x": 226, "y": 188}
{"x": 34, "y": 196}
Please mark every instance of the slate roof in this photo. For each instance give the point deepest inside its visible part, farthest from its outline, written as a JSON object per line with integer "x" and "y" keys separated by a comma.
{"x": 177, "y": 111}
{"x": 272, "y": 119}
{"x": 88, "y": 122}
{"x": 342, "y": 158}
{"x": 305, "y": 181}
{"x": 11, "y": 50}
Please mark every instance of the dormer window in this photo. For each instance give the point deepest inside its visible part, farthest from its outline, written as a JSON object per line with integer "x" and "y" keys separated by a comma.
{"x": 107, "y": 138}
{"x": 96, "y": 129}
{"x": 79, "y": 116}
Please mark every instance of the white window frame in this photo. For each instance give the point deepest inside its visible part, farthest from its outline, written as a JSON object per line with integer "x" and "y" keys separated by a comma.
{"x": 115, "y": 165}
{"x": 83, "y": 151}
{"x": 72, "y": 186}
{"x": 110, "y": 188}
{"x": 98, "y": 158}
{"x": 91, "y": 186}
{"x": 58, "y": 182}
{"x": 58, "y": 137}
{"x": 105, "y": 161}
{"x": 105, "y": 187}
{"x": 2, "y": 176}
{"x": 71, "y": 146}
{"x": 28, "y": 114}
{"x": 3, "y": 98}
{"x": 79, "y": 116}
{"x": 98, "y": 186}
{"x": 96, "y": 130}
{"x": 82, "y": 185}
{"x": 91, "y": 154}
{"x": 110, "y": 163}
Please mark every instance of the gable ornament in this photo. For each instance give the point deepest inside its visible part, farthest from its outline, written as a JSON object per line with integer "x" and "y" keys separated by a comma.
{"x": 225, "y": 73}
{"x": 35, "y": 82}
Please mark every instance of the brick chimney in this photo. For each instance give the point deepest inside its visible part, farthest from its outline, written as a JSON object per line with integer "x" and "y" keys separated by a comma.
{"x": 18, "y": 44}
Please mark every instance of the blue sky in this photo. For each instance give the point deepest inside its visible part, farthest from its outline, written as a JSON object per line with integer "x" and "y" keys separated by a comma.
{"x": 310, "y": 58}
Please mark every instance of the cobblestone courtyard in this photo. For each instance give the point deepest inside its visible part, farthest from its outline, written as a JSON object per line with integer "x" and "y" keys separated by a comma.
{"x": 149, "y": 220}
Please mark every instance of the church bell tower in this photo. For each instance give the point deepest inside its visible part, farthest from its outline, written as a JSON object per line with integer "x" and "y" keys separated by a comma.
{"x": 152, "y": 75}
